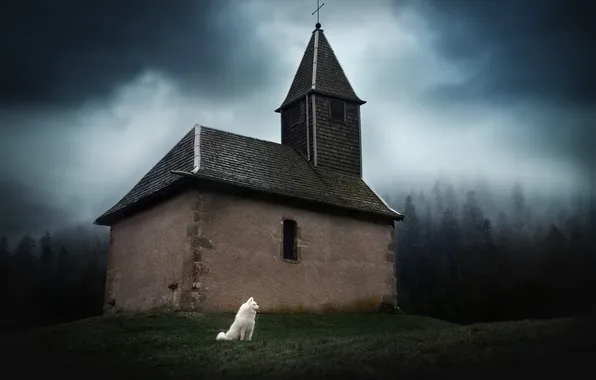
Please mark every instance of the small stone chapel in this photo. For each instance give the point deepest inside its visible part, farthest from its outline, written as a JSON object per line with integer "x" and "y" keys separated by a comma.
{"x": 223, "y": 217}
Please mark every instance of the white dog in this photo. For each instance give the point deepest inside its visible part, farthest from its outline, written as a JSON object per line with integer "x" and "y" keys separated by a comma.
{"x": 244, "y": 323}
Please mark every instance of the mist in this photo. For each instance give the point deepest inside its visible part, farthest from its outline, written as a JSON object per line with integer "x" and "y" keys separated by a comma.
{"x": 80, "y": 133}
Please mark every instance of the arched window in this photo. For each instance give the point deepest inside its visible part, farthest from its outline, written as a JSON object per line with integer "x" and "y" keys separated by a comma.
{"x": 290, "y": 246}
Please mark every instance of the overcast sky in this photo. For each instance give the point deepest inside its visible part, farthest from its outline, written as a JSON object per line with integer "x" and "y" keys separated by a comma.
{"x": 93, "y": 93}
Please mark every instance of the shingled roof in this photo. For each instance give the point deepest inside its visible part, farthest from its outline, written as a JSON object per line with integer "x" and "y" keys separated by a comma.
{"x": 320, "y": 72}
{"x": 255, "y": 164}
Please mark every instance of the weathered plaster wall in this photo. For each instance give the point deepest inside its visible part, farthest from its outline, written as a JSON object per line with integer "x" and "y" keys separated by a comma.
{"x": 218, "y": 250}
{"x": 145, "y": 257}
{"x": 345, "y": 264}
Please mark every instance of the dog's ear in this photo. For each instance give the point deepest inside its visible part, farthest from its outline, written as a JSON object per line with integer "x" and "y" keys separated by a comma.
{"x": 250, "y": 299}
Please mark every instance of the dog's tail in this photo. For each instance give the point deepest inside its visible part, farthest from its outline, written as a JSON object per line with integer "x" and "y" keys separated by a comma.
{"x": 221, "y": 336}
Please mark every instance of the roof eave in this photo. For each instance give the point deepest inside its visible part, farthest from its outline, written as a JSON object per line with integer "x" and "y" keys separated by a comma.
{"x": 102, "y": 220}
{"x": 108, "y": 219}
{"x": 356, "y": 100}
{"x": 391, "y": 214}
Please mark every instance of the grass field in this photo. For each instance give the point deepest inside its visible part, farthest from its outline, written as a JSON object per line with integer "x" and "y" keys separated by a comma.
{"x": 182, "y": 345}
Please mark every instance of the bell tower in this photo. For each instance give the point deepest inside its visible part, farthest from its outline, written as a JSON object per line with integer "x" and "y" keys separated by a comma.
{"x": 320, "y": 116}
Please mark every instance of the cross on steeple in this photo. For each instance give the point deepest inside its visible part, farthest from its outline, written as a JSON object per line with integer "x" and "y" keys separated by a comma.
{"x": 318, "y": 25}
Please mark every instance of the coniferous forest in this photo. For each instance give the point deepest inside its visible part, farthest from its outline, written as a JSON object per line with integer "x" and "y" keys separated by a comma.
{"x": 470, "y": 255}
{"x": 465, "y": 255}
{"x": 57, "y": 277}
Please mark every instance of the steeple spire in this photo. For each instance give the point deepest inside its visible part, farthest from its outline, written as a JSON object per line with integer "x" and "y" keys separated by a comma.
{"x": 320, "y": 72}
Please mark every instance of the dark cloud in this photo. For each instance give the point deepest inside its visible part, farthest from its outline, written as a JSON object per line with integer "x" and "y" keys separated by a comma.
{"x": 79, "y": 124}
{"x": 517, "y": 50}
{"x": 63, "y": 52}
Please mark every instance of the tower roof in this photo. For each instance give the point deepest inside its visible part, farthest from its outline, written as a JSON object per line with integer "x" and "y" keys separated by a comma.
{"x": 320, "y": 72}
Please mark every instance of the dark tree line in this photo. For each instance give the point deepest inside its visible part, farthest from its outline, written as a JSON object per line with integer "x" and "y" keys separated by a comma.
{"x": 56, "y": 278}
{"x": 467, "y": 257}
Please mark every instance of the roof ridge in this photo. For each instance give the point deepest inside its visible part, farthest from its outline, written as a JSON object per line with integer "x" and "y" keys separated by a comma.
{"x": 315, "y": 58}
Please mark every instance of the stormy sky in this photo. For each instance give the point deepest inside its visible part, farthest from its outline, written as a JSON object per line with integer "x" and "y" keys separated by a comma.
{"x": 93, "y": 93}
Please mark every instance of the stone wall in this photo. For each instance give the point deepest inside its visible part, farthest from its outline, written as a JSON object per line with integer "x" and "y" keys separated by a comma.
{"x": 195, "y": 268}
{"x": 206, "y": 251}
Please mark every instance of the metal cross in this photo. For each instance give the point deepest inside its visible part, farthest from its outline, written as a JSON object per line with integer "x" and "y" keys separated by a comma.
{"x": 317, "y": 10}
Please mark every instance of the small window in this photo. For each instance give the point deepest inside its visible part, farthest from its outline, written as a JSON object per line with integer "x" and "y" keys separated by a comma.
{"x": 337, "y": 110}
{"x": 290, "y": 249}
{"x": 296, "y": 114}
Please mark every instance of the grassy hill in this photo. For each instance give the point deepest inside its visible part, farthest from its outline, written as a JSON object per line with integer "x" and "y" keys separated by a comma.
{"x": 180, "y": 345}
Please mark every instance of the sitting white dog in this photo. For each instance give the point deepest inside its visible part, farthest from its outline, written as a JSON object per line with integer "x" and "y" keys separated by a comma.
{"x": 244, "y": 323}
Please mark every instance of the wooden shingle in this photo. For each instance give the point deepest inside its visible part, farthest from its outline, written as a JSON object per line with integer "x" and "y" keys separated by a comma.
{"x": 329, "y": 77}
{"x": 257, "y": 165}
